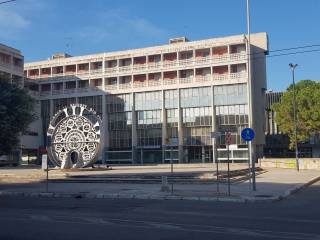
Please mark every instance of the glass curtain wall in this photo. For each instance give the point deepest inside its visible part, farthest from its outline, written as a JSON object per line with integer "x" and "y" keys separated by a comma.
{"x": 231, "y": 116}
{"x": 119, "y": 111}
{"x": 171, "y": 101}
{"x": 148, "y": 110}
{"x": 197, "y": 123}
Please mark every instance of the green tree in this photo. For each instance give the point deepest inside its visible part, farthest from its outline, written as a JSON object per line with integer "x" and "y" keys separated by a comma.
{"x": 308, "y": 111}
{"x": 16, "y": 113}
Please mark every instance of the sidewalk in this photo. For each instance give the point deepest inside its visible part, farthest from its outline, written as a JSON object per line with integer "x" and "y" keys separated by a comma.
{"x": 272, "y": 185}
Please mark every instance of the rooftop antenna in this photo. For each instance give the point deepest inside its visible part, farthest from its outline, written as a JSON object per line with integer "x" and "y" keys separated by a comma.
{"x": 68, "y": 44}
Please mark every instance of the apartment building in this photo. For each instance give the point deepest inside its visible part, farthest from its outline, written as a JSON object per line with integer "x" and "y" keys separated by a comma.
{"x": 162, "y": 102}
{"x": 11, "y": 70}
{"x": 11, "y": 64}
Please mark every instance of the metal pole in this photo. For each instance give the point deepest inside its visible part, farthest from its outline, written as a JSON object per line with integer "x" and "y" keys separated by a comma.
{"x": 249, "y": 166}
{"x": 228, "y": 170}
{"x": 250, "y": 97}
{"x": 171, "y": 160}
{"x": 217, "y": 174}
{"x": 293, "y": 66}
{"x": 47, "y": 180}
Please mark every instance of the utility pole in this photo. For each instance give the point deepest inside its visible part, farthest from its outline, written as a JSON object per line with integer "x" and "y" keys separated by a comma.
{"x": 250, "y": 146}
{"x": 7, "y": 1}
{"x": 293, "y": 66}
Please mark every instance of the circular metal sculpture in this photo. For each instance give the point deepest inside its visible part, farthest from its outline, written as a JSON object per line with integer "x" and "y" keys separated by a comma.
{"x": 74, "y": 137}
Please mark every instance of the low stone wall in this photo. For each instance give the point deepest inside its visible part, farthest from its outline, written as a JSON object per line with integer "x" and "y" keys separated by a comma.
{"x": 304, "y": 163}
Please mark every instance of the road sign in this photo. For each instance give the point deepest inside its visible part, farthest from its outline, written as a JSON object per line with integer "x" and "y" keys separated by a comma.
{"x": 228, "y": 138}
{"x": 247, "y": 134}
{"x": 215, "y": 134}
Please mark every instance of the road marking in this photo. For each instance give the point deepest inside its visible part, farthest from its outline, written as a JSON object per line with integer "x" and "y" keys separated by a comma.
{"x": 168, "y": 226}
{"x": 229, "y": 216}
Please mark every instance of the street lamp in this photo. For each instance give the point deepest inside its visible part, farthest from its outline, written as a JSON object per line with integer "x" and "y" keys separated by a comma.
{"x": 293, "y": 66}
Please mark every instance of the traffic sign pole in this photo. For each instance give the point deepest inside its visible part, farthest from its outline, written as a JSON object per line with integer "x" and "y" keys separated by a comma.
{"x": 247, "y": 135}
{"x": 228, "y": 170}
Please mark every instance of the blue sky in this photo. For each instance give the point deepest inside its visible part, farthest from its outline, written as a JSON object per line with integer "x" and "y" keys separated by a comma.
{"x": 42, "y": 27}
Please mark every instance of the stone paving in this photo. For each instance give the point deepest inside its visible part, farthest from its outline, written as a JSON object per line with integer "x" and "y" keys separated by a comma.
{"x": 273, "y": 184}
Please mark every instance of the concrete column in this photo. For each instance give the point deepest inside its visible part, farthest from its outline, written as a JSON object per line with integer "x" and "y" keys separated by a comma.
{"x": 51, "y": 109}
{"x": 118, "y": 81}
{"x": 134, "y": 130}
{"x": 203, "y": 154}
{"x": 105, "y": 131}
{"x": 180, "y": 128}
{"x": 103, "y": 64}
{"x": 214, "y": 127}
{"x": 164, "y": 126}
{"x": 103, "y": 83}
{"x": 51, "y": 88}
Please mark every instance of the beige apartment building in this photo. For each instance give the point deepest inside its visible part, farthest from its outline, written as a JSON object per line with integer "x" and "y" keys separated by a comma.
{"x": 162, "y": 102}
{"x": 11, "y": 64}
{"x": 11, "y": 70}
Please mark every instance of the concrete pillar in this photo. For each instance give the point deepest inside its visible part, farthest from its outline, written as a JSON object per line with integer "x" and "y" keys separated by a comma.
{"x": 164, "y": 127}
{"x": 214, "y": 127}
{"x": 105, "y": 131}
{"x": 51, "y": 109}
{"x": 180, "y": 128}
{"x": 134, "y": 130}
{"x": 203, "y": 154}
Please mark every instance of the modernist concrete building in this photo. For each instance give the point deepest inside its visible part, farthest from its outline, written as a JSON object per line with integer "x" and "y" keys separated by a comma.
{"x": 150, "y": 98}
{"x": 11, "y": 64}
{"x": 11, "y": 70}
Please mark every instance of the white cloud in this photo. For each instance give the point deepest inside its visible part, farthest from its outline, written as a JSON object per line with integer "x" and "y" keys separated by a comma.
{"x": 117, "y": 24}
{"x": 16, "y": 17}
{"x": 9, "y": 20}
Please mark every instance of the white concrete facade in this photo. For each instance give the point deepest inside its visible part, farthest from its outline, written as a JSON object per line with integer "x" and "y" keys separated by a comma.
{"x": 177, "y": 66}
{"x": 11, "y": 64}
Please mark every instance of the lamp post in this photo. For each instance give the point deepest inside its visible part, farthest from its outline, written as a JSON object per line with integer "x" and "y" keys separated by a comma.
{"x": 293, "y": 66}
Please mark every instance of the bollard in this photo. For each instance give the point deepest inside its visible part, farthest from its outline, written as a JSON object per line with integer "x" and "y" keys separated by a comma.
{"x": 164, "y": 184}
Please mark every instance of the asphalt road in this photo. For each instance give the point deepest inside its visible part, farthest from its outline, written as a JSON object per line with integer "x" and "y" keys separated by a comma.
{"x": 297, "y": 217}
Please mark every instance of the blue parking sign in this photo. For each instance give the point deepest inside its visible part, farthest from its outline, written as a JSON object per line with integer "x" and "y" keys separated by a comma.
{"x": 247, "y": 134}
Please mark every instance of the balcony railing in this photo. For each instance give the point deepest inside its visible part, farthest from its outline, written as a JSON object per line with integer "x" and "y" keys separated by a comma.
{"x": 111, "y": 70}
{"x": 57, "y": 74}
{"x": 111, "y": 86}
{"x": 152, "y": 83}
{"x": 226, "y": 77}
{"x": 203, "y": 78}
{"x": 220, "y": 77}
{"x": 238, "y": 56}
{"x": 238, "y": 75}
{"x": 139, "y": 66}
{"x": 186, "y": 80}
{"x": 125, "y": 68}
{"x": 45, "y": 93}
{"x": 96, "y": 71}
{"x": 83, "y": 72}
{"x": 170, "y": 81}
{"x": 124, "y": 85}
{"x": 139, "y": 84}
{"x": 70, "y": 73}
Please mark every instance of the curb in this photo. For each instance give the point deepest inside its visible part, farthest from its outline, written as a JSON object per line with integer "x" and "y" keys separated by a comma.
{"x": 298, "y": 188}
{"x": 285, "y": 195}
{"x": 118, "y": 196}
{"x": 162, "y": 197}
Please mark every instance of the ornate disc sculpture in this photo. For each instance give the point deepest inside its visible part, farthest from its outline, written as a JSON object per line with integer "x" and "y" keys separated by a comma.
{"x": 74, "y": 137}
